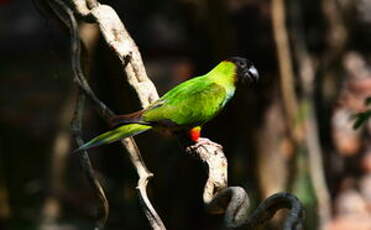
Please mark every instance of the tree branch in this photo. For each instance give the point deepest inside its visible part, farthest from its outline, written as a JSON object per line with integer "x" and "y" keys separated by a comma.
{"x": 234, "y": 201}
{"x": 119, "y": 40}
{"x": 86, "y": 164}
{"x": 218, "y": 197}
{"x": 287, "y": 84}
{"x": 66, "y": 15}
{"x": 307, "y": 72}
{"x": 309, "y": 127}
{"x": 129, "y": 143}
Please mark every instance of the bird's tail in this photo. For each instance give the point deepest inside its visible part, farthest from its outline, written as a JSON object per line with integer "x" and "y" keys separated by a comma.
{"x": 114, "y": 135}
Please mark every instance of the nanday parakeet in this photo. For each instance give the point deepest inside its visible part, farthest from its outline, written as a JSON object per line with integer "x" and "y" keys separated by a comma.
{"x": 184, "y": 108}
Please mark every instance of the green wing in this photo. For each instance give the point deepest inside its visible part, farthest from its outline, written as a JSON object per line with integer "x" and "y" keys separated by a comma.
{"x": 190, "y": 104}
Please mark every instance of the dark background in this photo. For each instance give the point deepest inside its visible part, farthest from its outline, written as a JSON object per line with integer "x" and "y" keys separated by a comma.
{"x": 41, "y": 184}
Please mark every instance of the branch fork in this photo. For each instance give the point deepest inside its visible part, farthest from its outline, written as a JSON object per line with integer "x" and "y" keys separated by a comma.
{"x": 217, "y": 196}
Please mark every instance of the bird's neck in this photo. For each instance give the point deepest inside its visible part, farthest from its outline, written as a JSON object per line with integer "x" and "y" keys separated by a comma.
{"x": 225, "y": 75}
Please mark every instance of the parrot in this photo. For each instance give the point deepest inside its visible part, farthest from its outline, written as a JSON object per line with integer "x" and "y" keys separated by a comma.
{"x": 186, "y": 107}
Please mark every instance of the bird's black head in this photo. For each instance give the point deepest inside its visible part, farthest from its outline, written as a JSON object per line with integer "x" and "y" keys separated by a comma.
{"x": 246, "y": 71}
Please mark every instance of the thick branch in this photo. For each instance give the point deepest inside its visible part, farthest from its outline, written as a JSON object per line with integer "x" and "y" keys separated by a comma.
{"x": 272, "y": 204}
{"x": 234, "y": 201}
{"x": 119, "y": 40}
{"x": 211, "y": 153}
{"x": 216, "y": 189}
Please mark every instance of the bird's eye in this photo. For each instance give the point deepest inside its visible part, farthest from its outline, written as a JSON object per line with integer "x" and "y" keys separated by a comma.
{"x": 242, "y": 64}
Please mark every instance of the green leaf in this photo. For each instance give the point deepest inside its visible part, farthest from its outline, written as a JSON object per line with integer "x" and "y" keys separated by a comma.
{"x": 361, "y": 118}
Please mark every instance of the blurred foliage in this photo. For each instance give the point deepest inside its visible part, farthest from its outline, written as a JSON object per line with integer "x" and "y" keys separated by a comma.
{"x": 362, "y": 118}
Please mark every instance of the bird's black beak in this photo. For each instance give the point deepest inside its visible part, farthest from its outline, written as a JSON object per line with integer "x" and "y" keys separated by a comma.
{"x": 251, "y": 75}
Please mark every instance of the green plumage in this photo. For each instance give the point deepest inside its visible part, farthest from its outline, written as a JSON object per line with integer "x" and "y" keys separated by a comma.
{"x": 190, "y": 104}
{"x": 114, "y": 135}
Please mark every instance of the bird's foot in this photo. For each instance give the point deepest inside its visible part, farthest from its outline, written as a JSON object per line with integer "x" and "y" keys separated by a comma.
{"x": 204, "y": 143}
{"x": 207, "y": 141}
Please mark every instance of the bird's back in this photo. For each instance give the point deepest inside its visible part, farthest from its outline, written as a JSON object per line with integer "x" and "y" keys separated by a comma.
{"x": 189, "y": 104}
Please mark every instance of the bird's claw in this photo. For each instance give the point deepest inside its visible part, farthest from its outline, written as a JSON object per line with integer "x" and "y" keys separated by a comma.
{"x": 207, "y": 141}
{"x": 203, "y": 143}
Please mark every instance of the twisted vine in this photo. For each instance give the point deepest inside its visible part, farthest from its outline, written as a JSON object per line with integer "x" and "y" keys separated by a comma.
{"x": 218, "y": 197}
